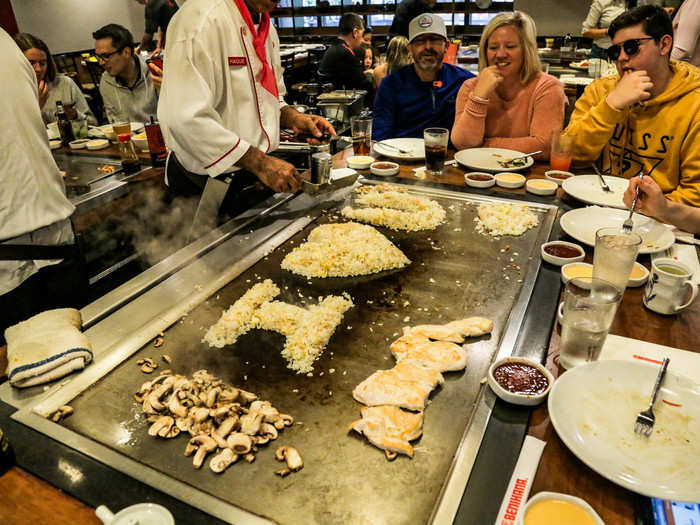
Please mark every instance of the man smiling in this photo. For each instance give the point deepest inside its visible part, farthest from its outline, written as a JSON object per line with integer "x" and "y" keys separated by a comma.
{"x": 423, "y": 94}
{"x": 648, "y": 116}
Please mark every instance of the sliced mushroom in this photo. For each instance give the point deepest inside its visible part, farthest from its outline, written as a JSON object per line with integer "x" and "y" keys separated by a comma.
{"x": 222, "y": 460}
{"x": 211, "y": 396}
{"x": 250, "y": 457}
{"x": 284, "y": 419}
{"x": 228, "y": 395}
{"x": 157, "y": 342}
{"x": 155, "y": 396}
{"x": 292, "y": 457}
{"x": 246, "y": 397}
{"x": 224, "y": 430}
{"x": 240, "y": 443}
{"x": 184, "y": 423}
{"x": 250, "y": 423}
{"x": 204, "y": 445}
{"x": 175, "y": 406}
{"x": 162, "y": 426}
{"x": 270, "y": 413}
{"x": 199, "y": 414}
{"x": 61, "y": 413}
{"x": 220, "y": 411}
{"x": 268, "y": 431}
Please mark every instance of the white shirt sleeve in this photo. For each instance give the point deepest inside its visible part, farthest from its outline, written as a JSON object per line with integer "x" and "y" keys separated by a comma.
{"x": 592, "y": 21}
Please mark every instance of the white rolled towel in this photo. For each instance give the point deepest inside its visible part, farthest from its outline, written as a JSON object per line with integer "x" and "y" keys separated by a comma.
{"x": 46, "y": 347}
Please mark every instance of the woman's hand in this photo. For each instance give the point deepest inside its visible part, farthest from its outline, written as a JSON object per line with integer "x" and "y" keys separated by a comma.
{"x": 488, "y": 80}
{"x": 43, "y": 93}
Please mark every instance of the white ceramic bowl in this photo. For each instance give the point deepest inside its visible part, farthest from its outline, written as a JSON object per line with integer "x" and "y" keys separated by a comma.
{"x": 541, "y": 187}
{"x": 580, "y": 267}
{"x": 550, "y": 175}
{"x": 54, "y": 144}
{"x": 540, "y": 496}
{"x": 78, "y": 144}
{"x": 479, "y": 183}
{"x": 633, "y": 283}
{"x": 519, "y": 399}
{"x": 140, "y": 141}
{"x": 360, "y": 162}
{"x": 108, "y": 132}
{"x": 510, "y": 180}
{"x": 384, "y": 168}
{"x": 97, "y": 144}
{"x": 559, "y": 261}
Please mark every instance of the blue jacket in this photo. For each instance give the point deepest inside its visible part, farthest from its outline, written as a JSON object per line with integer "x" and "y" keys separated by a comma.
{"x": 405, "y": 105}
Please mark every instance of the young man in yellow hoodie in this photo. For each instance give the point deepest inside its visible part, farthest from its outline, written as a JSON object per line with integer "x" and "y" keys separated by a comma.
{"x": 648, "y": 116}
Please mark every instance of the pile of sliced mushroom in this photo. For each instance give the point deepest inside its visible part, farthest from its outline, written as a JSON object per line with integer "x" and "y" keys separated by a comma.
{"x": 221, "y": 419}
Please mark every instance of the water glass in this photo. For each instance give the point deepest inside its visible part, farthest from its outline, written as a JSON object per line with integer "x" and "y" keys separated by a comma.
{"x": 589, "y": 309}
{"x": 361, "y": 131}
{"x": 435, "y": 150}
{"x": 561, "y": 153}
{"x": 614, "y": 255}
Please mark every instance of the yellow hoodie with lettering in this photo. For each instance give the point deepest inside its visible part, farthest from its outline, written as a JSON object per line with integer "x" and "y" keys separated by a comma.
{"x": 661, "y": 135}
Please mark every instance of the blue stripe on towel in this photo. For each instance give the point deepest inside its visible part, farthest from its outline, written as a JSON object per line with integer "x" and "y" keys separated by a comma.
{"x": 47, "y": 360}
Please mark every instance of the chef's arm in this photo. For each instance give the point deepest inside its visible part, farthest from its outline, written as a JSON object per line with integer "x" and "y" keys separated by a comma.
{"x": 314, "y": 125}
{"x": 273, "y": 172}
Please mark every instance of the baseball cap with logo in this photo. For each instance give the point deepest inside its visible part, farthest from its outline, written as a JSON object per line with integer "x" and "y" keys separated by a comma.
{"x": 426, "y": 24}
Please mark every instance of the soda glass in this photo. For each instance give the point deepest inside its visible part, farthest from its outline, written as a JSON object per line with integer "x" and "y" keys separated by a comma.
{"x": 614, "y": 255}
{"x": 435, "y": 150}
{"x": 562, "y": 147}
{"x": 361, "y": 131}
{"x": 589, "y": 309}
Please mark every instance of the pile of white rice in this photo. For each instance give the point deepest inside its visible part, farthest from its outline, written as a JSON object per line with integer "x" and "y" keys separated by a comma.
{"x": 504, "y": 219}
{"x": 235, "y": 321}
{"x": 307, "y": 330}
{"x": 396, "y": 209}
{"x": 344, "y": 250}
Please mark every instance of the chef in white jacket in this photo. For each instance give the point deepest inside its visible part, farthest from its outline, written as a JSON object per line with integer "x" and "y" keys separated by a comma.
{"x": 221, "y": 102}
{"x": 34, "y": 210}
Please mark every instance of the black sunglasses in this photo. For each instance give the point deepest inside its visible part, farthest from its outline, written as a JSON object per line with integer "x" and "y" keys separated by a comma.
{"x": 630, "y": 46}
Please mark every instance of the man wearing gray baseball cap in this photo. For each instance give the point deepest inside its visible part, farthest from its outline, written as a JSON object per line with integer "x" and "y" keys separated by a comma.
{"x": 423, "y": 94}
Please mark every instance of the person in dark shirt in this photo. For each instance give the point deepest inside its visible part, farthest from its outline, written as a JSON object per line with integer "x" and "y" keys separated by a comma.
{"x": 423, "y": 94}
{"x": 407, "y": 11}
{"x": 158, "y": 14}
{"x": 342, "y": 63}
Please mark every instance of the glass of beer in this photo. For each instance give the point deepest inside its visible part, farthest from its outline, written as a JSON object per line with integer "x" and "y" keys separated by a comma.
{"x": 435, "y": 150}
{"x": 361, "y": 130}
{"x": 561, "y": 154}
{"x": 121, "y": 127}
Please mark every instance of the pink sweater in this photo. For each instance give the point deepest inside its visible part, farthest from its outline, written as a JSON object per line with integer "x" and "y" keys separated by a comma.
{"x": 523, "y": 124}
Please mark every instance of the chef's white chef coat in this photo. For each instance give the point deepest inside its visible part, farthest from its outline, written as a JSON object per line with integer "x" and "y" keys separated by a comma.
{"x": 33, "y": 204}
{"x": 212, "y": 107}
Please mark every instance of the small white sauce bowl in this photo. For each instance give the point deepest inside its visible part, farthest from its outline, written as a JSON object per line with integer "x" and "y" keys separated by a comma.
{"x": 479, "y": 183}
{"x": 510, "y": 180}
{"x": 559, "y": 261}
{"x": 633, "y": 283}
{"x": 541, "y": 187}
{"x": 519, "y": 399}
{"x": 360, "y": 162}
{"x": 561, "y": 497}
{"x": 566, "y": 277}
{"x": 54, "y": 144}
{"x": 97, "y": 144}
{"x": 549, "y": 176}
{"x": 376, "y": 168}
{"x": 78, "y": 144}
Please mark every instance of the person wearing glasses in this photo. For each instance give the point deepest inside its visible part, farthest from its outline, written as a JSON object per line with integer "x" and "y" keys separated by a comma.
{"x": 126, "y": 87}
{"x": 647, "y": 117}
{"x": 52, "y": 86}
{"x": 511, "y": 104}
{"x": 342, "y": 62}
{"x": 422, "y": 94}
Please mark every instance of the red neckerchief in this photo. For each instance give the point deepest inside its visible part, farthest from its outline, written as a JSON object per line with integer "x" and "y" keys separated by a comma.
{"x": 267, "y": 77}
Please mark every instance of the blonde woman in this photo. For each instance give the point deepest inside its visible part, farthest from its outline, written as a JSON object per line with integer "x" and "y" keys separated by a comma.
{"x": 397, "y": 56}
{"x": 511, "y": 104}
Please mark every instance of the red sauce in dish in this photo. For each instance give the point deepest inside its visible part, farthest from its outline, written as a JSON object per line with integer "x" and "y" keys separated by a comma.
{"x": 383, "y": 166}
{"x": 562, "y": 250}
{"x": 521, "y": 378}
{"x": 480, "y": 177}
{"x": 559, "y": 176}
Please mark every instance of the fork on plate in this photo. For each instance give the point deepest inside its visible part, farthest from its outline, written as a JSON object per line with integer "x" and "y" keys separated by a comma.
{"x": 627, "y": 225}
{"x": 391, "y": 146}
{"x": 603, "y": 184}
{"x": 645, "y": 419}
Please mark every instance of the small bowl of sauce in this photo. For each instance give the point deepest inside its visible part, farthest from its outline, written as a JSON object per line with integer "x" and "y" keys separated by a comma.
{"x": 545, "y": 508}
{"x": 520, "y": 381}
{"x": 384, "y": 168}
{"x": 510, "y": 180}
{"x": 477, "y": 179}
{"x": 562, "y": 252}
{"x": 558, "y": 176}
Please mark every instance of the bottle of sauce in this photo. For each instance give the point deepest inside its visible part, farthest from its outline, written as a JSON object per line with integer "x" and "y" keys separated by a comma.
{"x": 127, "y": 152}
{"x": 65, "y": 128}
{"x": 156, "y": 144}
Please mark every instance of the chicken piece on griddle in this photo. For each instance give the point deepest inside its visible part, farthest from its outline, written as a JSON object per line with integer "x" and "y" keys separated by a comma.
{"x": 390, "y": 428}
{"x": 438, "y": 355}
{"x": 407, "y": 385}
{"x": 453, "y": 332}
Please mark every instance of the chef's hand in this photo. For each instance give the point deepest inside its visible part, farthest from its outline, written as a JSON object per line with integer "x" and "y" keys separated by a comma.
{"x": 275, "y": 173}
{"x": 633, "y": 87}
{"x": 302, "y": 123}
{"x": 43, "y": 93}
{"x": 487, "y": 82}
{"x": 156, "y": 75}
{"x": 651, "y": 202}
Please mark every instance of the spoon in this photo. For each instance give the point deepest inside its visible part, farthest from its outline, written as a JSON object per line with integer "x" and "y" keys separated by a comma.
{"x": 508, "y": 161}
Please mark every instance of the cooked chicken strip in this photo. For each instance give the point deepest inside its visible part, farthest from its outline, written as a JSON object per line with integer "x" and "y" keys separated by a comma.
{"x": 390, "y": 428}
{"x": 454, "y": 331}
{"x": 438, "y": 355}
{"x": 407, "y": 385}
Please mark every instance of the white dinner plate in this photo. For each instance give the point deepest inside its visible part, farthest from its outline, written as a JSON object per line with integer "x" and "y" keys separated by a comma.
{"x": 414, "y": 147}
{"x": 486, "y": 159}
{"x": 582, "y": 224}
{"x": 587, "y": 188}
{"x": 593, "y": 408}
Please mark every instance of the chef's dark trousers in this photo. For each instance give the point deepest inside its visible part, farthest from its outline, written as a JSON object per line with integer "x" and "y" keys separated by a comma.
{"x": 244, "y": 191}
{"x": 61, "y": 285}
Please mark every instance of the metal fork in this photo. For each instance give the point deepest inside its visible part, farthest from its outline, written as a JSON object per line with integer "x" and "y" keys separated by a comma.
{"x": 602, "y": 180}
{"x": 645, "y": 419}
{"x": 393, "y": 147}
{"x": 627, "y": 225}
